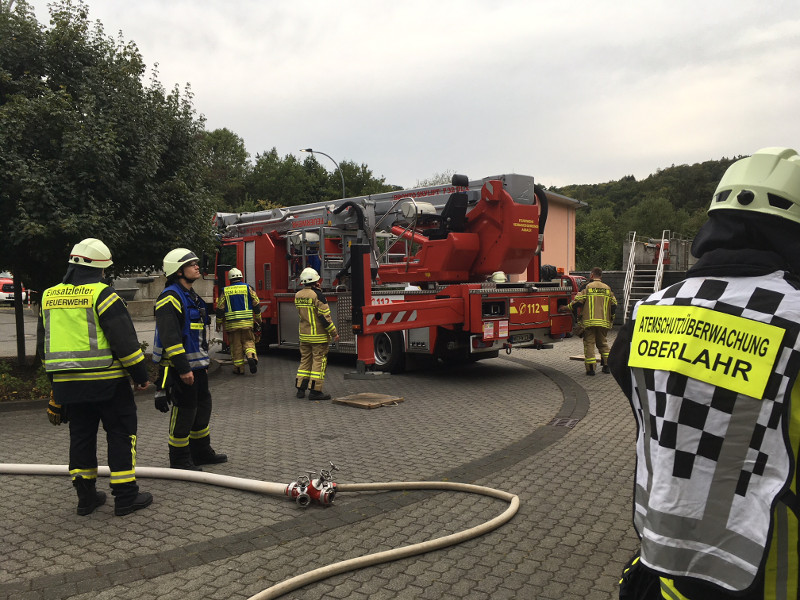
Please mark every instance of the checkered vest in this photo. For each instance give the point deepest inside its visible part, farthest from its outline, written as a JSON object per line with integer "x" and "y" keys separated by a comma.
{"x": 713, "y": 362}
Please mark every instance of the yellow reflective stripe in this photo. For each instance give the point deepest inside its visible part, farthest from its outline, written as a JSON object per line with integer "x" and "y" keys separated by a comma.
{"x": 85, "y": 473}
{"x": 170, "y": 300}
{"x": 132, "y": 359}
{"x": 61, "y": 376}
{"x": 313, "y": 338}
{"x": 178, "y": 442}
{"x": 196, "y": 435}
{"x": 197, "y": 326}
{"x": 106, "y": 304}
{"x": 122, "y": 476}
{"x": 668, "y": 590}
{"x": 174, "y": 350}
{"x": 724, "y": 350}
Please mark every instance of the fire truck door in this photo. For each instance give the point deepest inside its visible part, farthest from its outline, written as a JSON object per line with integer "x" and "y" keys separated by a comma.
{"x": 250, "y": 263}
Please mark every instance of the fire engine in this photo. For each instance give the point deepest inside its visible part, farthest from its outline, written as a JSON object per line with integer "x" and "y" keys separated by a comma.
{"x": 406, "y": 272}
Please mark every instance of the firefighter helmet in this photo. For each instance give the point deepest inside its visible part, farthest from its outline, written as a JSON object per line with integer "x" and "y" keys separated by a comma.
{"x": 235, "y": 274}
{"x": 767, "y": 182}
{"x": 91, "y": 252}
{"x": 308, "y": 275}
{"x": 175, "y": 259}
{"x": 499, "y": 277}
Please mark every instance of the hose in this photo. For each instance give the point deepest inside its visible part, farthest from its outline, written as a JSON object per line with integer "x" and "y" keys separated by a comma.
{"x": 278, "y": 489}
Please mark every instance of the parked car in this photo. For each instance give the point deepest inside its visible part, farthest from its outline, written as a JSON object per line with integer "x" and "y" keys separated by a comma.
{"x": 7, "y": 288}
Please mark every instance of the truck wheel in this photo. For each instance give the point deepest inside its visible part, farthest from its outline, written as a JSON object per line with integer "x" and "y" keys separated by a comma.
{"x": 389, "y": 352}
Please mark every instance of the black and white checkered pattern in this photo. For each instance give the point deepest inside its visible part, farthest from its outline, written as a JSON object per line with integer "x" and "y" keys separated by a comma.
{"x": 697, "y": 488}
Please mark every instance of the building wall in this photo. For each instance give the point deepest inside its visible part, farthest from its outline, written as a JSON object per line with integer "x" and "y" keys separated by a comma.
{"x": 559, "y": 237}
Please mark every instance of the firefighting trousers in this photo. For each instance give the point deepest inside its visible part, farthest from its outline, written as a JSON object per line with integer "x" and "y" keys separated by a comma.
{"x": 118, "y": 416}
{"x": 243, "y": 344}
{"x": 595, "y": 337}
{"x": 191, "y": 410}
{"x": 313, "y": 360}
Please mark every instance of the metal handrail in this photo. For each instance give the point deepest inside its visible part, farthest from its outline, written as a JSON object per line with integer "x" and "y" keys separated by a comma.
{"x": 629, "y": 273}
{"x": 660, "y": 265}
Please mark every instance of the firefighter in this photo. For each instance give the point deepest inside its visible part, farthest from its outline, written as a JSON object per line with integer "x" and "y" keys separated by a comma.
{"x": 238, "y": 307}
{"x": 89, "y": 347}
{"x": 710, "y": 365}
{"x": 181, "y": 350}
{"x": 316, "y": 332}
{"x": 598, "y": 305}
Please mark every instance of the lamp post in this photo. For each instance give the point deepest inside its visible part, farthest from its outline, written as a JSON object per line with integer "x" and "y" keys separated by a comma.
{"x": 311, "y": 151}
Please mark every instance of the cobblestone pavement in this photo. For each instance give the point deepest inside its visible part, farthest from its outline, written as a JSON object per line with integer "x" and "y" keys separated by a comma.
{"x": 530, "y": 423}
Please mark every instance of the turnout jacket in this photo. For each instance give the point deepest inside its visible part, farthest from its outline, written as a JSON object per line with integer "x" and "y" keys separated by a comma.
{"x": 316, "y": 325}
{"x": 86, "y": 339}
{"x": 710, "y": 367}
{"x": 238, "y": 307}
{"x": 180, "y": 337}
{"x": 598, "y": 302}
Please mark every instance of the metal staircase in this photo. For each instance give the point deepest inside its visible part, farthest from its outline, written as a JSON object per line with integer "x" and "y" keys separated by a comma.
{"x": 643, "y": 279}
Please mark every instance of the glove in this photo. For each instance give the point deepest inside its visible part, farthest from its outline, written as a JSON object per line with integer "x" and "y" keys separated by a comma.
{"x": 56, "y": 412}
{"x": 162, "y": 400}
{"x": 257, "y": 332}
{"x": 564, "y": 309}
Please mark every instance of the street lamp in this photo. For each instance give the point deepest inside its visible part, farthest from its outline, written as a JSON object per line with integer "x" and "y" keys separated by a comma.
{"x": 334, "y": 162}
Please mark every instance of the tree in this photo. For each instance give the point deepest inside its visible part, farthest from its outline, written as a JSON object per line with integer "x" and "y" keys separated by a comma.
{"x": 227, "y": 169}
{"x": 90, "y": 151}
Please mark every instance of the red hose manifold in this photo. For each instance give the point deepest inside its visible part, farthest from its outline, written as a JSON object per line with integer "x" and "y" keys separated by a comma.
{"x": 306, "y": 489}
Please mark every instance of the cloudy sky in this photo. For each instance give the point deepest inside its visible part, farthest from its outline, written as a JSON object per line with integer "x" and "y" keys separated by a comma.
{"x": 585, "y": 91}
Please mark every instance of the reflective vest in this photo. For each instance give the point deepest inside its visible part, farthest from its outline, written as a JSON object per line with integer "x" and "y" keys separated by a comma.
{"x": 713, "y": 365}
{"x": 73, "y": 339}
{"x": 316, "y": 325}
{"x": 238, "y": 306}
{"x": 193, "y": 332}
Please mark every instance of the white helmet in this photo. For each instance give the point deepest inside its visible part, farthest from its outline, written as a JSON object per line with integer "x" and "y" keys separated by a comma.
{"x": 91, "y": 252}
{"x": 499, "y": 277}
{"x": 234, "y": 273}
{"x": 308, "y": 275}
{"x": 767, "y": 182}
{"x": 175, "y": 259}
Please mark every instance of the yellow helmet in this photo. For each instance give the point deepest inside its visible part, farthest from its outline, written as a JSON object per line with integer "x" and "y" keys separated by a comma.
{"x": 308, "y": 275}
{"x": 175, "y": 259}
{"x": 499, "y": 277}
{"x": 767, "y": 182}
{"x": 235, "y": 274}
{"x": 91, "y": 252}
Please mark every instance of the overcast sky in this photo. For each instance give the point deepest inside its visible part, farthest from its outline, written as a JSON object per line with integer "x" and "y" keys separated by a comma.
{"x": 584, "y": 91}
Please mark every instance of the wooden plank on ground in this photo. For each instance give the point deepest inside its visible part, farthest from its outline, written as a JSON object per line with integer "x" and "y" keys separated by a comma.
{"x": 368, "y": 400}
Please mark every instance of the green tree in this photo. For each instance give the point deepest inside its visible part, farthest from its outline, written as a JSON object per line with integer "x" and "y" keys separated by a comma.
{"x": 227, "y": 169}
{"x": 597, "y": 244}
{"x": 89, "y": 150}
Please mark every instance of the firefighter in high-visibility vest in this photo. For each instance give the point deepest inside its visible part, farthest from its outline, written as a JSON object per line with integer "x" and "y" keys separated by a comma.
{"x": 238, "y": 308}
{"x": 89, "y": 348}
{"x": 710, "y": 366}
{"x": 181, "y": 349}
{"x": 598, "y": 305}
{"x": 316, "y": 332}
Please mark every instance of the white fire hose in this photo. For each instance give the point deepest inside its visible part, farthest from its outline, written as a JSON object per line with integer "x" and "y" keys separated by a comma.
{"x": 284, "y": 490}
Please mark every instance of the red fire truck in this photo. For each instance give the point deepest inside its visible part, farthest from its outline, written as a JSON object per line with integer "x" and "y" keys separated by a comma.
{"x": 407, "y": 272}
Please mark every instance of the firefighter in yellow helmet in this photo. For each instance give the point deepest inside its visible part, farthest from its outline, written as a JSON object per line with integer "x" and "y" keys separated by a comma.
{"x": 598, "y": 305}
{"x": 89, "y": 348}
{"x": 316, "y": 332}
{"x": 710, "y": 366}
{"x": 181, "y": 350}
{"x": 238, "y": 307}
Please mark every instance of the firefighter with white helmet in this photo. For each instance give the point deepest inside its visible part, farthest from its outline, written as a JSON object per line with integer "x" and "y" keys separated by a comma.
{"x": 710, "y": 366}
{"x": 238, "y": 308}
{"x": 316, "y": 332}
{"x": 89, "y": 348}
{"x": 181, "y": 350}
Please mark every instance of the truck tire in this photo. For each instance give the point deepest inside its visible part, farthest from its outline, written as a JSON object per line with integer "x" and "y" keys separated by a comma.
{"x": 389, "y": 352}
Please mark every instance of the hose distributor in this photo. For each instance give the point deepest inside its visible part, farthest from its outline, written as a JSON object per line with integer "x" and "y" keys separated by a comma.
{"x": 307, "y": 489}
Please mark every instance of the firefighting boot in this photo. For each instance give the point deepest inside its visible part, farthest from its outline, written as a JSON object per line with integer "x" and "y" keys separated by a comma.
{"x": 142, "y": 500}
{"x": 181, "y": 458}
{"x": 318, "y": 395}
{"x": 88, "y": 496}
{"x": 252, "y": 362}
{"x": 604, "y": 363}
{"x": 590, "y": 370}
{"x": 301, "y": 391}
{"x": 203, "y": 454}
